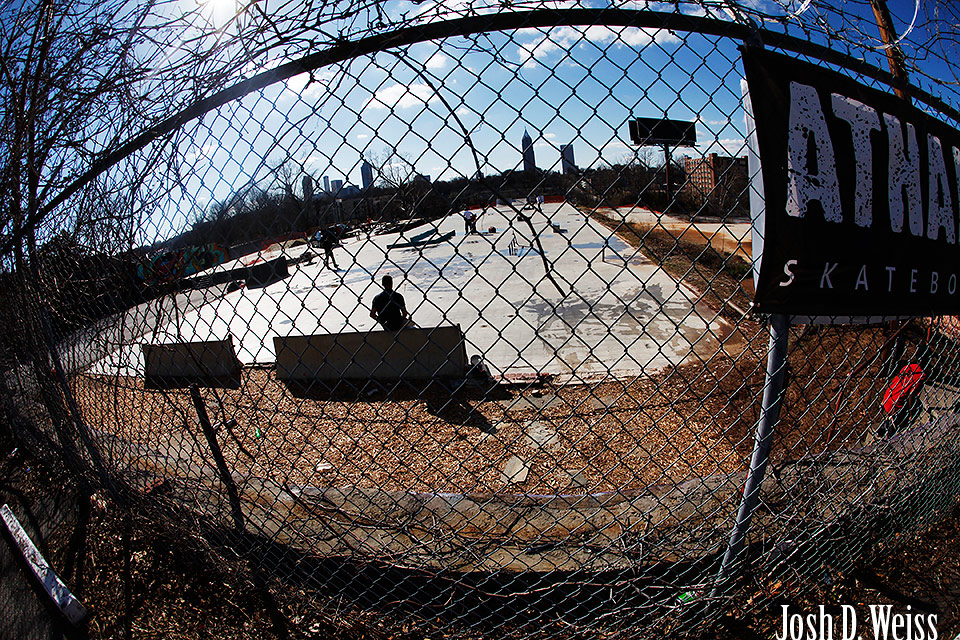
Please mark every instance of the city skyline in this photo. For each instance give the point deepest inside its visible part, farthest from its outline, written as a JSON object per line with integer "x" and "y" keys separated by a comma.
{"x": 375, "y": 103}
{"x": 456, "y": 106}
{"x": 566, "y": 161}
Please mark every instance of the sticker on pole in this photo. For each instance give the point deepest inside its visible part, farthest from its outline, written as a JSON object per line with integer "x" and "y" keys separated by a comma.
{"x": 58, "y": 592}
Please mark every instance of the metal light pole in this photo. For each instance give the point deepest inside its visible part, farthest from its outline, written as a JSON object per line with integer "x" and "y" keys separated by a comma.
{"x": 763, "y": 438}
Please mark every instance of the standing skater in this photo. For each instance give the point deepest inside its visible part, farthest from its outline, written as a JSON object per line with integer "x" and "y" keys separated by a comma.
{"x": 389, "y": 308}
{"x": 328, "y": 241}
{"x": 468, "y": 222}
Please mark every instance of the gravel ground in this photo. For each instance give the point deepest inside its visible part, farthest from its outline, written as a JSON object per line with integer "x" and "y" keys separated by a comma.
{"x": 692, "y": 421}
{"x": 143, "y": 574}
{"x": 585, "y": 438}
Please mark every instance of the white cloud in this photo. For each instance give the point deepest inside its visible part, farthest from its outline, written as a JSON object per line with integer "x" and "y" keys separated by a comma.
{"x": 726, "y": 146}
{"x": 302, "y": 84}
{"x": 532, "y": 51}
{"x": 400, "y": 97}
{"x": 549, "y": 136}
{"x": 298, "y": 82}
{"x": 567, "y": 38}
{"x": 439, "y": 9}
{"x": 315, "y": 163}
{"x": 636, "y": 5}
{"x": 690, "y": 9}
{"x": 362, "y": 136}
{"x": 309, "y": 86}
{"x": 206, "y": 152}
{"x": 637, "y": 37}
{"x": 437, "y": 61}
{"x": 614, "y": 150}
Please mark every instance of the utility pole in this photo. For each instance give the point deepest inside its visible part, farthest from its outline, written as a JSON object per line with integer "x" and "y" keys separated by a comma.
{"x": 895, "y": 57}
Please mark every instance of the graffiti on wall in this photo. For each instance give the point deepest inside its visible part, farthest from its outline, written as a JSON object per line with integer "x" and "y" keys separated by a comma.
{"x": 170, "y": 266}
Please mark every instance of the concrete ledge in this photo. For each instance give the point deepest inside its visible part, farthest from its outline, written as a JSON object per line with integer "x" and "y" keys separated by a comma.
{"x": 266, "y": 273}
{"x": 212, "y": 364}
{"x": 408, "y": 354}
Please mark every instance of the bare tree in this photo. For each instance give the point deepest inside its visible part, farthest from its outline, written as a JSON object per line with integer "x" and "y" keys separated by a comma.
{"x": 75, "y": 80}
{"x": 396, "y": 175}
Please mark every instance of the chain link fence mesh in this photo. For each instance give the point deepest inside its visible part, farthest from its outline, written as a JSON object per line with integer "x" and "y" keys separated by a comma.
{"x": 202, "y": 204}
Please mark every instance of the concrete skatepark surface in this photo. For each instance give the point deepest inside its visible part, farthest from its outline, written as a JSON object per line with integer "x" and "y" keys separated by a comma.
{"x": 618, "y": 313}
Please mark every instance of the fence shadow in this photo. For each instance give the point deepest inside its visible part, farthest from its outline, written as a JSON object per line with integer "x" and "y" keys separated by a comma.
{"x": 436, "y": 392}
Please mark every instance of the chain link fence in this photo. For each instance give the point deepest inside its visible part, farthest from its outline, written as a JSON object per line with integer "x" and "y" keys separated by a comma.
{"x": 203, "y": 203}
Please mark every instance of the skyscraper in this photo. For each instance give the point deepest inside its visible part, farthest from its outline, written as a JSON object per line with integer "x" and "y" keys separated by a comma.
{"x": 335, "y": 186}
{"x": 366, "y": 175}
{"x": 529, "y": 161}
{"x": 567, "y": 163}
{"x": 308, "y": 188}
{"x": 326, "y": 184}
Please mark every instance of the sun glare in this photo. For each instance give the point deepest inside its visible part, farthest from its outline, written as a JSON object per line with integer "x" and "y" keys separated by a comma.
{"x": 219, "y": 11}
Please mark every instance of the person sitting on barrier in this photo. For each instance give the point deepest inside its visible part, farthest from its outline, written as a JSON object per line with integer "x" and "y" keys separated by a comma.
{"x": 388, "y": 308}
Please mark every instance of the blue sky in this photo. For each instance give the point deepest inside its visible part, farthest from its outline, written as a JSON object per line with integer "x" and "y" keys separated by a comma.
{"x": 565, "y": 85}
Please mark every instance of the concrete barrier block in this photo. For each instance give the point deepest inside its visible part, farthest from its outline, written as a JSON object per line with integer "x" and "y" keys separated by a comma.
{"x": 211, "y": 364}
{"x": 266, "y": 273}
{"x": 409, "y": 354}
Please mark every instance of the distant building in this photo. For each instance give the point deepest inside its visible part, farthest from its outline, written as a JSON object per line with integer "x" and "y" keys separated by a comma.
{"x": 335, "y": 186}
{"x": 719, "y": 181}
{"x": 326, "y": 184}
{"x": 366, "y": 175}
{"x": 421, "y": 177}
{"x": 307, "y": 188}
{"x": 529, "y": 160}
{"x": 349, "y": 191}
{"x": 567, "y": 163}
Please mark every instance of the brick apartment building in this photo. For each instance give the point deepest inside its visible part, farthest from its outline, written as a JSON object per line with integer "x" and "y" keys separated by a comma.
{"x": 718, "y": 182}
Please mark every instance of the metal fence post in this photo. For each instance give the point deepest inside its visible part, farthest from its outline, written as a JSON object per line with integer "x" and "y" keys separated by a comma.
{"x": 222, "y": 469}
{"x": 769, "y": 415}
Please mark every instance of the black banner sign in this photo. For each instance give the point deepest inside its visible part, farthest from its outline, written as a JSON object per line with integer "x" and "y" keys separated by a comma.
{"x": 654, "y": 131}
{"x": 861, "y": 197}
